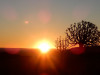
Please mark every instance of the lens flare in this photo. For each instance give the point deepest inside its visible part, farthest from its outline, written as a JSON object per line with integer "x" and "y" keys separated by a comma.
{"x": 44, "y": 16}
{"x": 26, "y": 22}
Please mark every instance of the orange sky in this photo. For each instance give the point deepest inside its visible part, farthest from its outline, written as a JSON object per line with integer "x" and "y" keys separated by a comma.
{"x": 24, "y": 23}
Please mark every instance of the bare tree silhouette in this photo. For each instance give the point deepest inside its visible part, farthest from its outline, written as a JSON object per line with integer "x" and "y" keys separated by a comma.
{"x": 83, "y": 33}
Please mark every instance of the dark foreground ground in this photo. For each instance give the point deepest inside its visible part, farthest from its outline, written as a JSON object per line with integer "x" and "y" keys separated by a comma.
{"x": 33, "y": 62}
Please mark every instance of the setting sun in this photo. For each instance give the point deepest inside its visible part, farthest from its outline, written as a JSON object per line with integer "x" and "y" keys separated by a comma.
{"x": 44, "y": 47}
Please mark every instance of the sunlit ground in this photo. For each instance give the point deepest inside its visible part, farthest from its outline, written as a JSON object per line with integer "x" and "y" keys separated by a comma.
{"x": 45, "y": 58}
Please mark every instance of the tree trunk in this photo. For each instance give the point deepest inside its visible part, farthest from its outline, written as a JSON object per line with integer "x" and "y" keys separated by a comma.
{"x": 80, "y": 45}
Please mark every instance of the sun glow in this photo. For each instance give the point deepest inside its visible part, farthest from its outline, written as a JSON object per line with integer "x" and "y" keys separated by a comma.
{"x": 44, "y": 47}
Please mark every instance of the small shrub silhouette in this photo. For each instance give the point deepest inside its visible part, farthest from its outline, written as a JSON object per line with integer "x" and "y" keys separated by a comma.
{"x": 61, "y": 43}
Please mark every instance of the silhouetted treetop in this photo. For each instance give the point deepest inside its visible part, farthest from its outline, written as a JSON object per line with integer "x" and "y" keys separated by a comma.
{"x": 83, "y": 33}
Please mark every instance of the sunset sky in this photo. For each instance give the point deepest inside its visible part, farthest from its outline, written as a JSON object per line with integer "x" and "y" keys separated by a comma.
{"x": 24, "y": 23}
